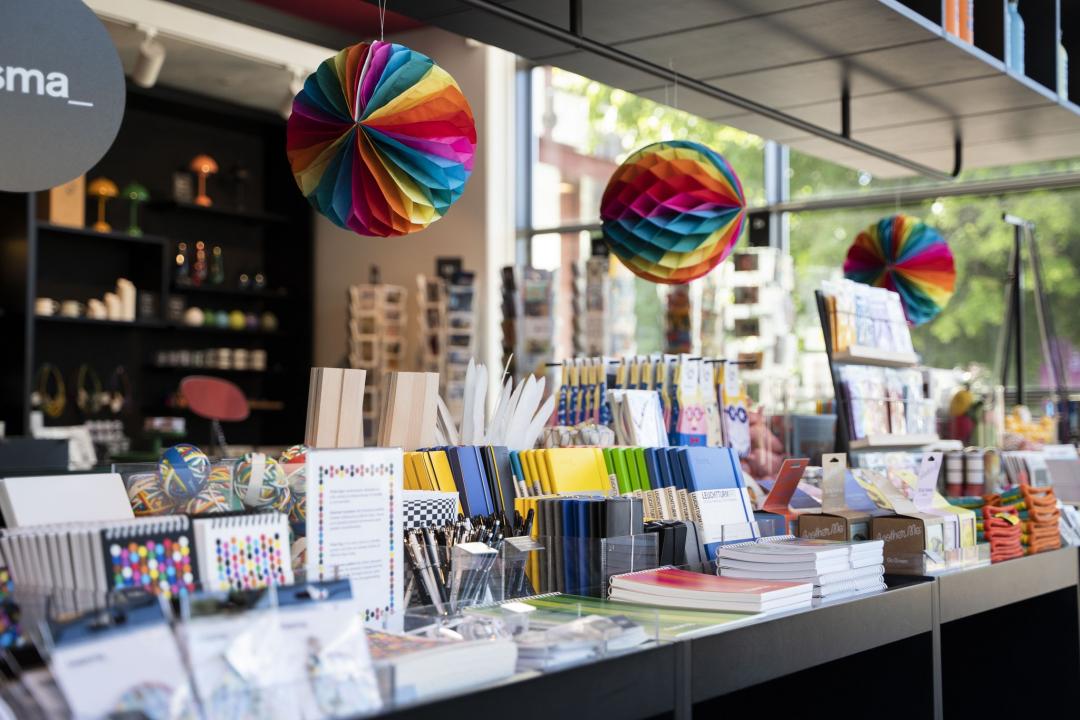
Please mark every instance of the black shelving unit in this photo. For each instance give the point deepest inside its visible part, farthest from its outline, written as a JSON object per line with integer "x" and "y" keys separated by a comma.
{"x": 844, "y": 442}
{"x": 264, "y": 227}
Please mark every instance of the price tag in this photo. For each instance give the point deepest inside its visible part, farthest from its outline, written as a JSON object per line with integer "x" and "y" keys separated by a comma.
{"x": 833, "y": 467}
{"x": 731, "y": 381}
{"x": 926, "y": 485}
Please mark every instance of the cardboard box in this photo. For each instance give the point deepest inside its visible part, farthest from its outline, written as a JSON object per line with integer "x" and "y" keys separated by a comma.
{"x": 836, "y": 525}
{"x": 64, "y": 204}
{"x": 914, "y": 543}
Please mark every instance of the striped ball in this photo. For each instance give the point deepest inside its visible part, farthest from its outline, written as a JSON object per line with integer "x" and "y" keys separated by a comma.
{"x": 184, "y": 470}
{"x": 269, "y": 489}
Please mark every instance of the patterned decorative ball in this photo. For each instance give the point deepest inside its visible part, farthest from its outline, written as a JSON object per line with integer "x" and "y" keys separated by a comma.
{"x": 381, "y": 140}
{"x": 146, "y": 493}
{"x": 184, "y": 470}
{"x": 294, "y": 460}
{"x": 298, "y": 508}
{"x": 673, "y": 211}
{"x": 214, "y": 498}
{"x": 257, "y": 489}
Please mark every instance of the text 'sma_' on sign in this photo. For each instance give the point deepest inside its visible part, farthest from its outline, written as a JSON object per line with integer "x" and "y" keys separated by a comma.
{"x": 61, "y": 92}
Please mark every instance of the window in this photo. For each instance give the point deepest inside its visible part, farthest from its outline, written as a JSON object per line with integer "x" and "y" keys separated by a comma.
{"x": 967, "y": 330}
{"x": 580, "y": 130}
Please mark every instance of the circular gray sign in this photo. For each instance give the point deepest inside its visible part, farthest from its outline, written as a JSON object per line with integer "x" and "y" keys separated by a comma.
{"x": 61, "y": 92}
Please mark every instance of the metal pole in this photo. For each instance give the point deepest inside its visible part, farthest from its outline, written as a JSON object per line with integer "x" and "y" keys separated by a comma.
{"x": 1018, "y": 311}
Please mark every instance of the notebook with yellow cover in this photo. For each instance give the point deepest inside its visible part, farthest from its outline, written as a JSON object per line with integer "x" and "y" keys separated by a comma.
{"x": 576, "y": 469}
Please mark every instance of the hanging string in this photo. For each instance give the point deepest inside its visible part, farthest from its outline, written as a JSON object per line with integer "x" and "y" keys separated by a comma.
{"x": 382, "y": 17}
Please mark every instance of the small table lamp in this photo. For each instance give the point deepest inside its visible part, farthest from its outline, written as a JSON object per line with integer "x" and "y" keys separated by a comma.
{"x": 103, "y": 189}
{"x": 136, "y": 194}
{"x": 203, "y": 166}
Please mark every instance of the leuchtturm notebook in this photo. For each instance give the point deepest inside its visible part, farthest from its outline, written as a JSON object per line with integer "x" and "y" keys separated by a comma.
{"x": 633, "y": 482}
{"x": 500, "y": 477}
{"x": 642, "y": 469}
{"x": 471, "y": 482}
{"x": 243, "y": 552}
{"x": 575, "y": 469}
{"x": 707, "y": 468}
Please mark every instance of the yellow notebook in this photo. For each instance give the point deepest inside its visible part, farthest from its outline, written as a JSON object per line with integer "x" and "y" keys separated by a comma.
{"x": 533, "y": 471}
{"x": 540, "y": 457}
{"x": 424, "y": 473}
{"x": 576, "y": 469}
{"x": 444, "y": 476}
{"x": 411, "y": 482}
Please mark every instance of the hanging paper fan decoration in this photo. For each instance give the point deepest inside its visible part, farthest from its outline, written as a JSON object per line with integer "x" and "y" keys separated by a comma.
{"x": 381, "y": 139}
{"x": 673, "y": 211}
{"x": 904, "y": 254}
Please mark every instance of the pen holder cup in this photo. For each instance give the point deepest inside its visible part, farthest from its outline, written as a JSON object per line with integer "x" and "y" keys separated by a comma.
{"x": 471, "y": 575}
{"x": 510, "y": 577}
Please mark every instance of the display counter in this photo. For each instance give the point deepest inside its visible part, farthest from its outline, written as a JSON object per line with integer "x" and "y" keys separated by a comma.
{"x": 921, "y": 644}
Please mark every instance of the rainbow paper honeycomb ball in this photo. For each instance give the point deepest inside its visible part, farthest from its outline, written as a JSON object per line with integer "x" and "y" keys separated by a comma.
{"x": 381, "y": 140}
{"x": 184, "y": 470}
{"x": 908, "y": 256}
{"x": 673, "y": 211}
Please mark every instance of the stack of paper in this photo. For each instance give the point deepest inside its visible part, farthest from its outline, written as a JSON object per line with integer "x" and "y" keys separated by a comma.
{"x": 837, "y": 569}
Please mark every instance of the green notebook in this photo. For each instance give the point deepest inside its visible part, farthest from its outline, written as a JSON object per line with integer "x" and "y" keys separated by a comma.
{"x": 642, "y": 469}
{"x": 670, "y": 624}
{"x": 622, "y": 474}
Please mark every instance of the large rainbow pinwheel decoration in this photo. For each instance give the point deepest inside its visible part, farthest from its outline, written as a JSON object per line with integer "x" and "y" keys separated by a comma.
{"x": 381, "y": 139}
{"x": 904, "y": 254}
{"x": 673, "y": 211}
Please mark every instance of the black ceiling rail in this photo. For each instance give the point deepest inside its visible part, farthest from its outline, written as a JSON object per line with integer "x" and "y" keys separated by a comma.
{"x": 576, "y": 38}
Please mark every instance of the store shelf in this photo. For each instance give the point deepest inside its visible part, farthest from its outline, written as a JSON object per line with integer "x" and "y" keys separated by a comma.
{"x": 277, "y": 294}
{"x": 251, "y": 216}
{"x": 912, "y": 87}
{"x": 214, "y": 330}
{"x": 45, "y": 229}
{"x": 134, "y": 324}
{"x": 964, "y": 593}
{"x": 859, "y": 355}
{"x": 639, "y": 684}
{"x": 886, "y": 440}
{"x": 774, "y": 647}
{"x": 211, "y": 370}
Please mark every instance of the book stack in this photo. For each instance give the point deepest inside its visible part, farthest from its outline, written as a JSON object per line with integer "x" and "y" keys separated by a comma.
{"x": 671, "y": 587}
{"x": 836, "y": 569}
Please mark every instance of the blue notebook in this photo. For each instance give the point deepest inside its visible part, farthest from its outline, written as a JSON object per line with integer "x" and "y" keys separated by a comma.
{"x": 708, "y": 468}
{"x": 468, "y": 469}
{"x": 653, "y": 468}
{"x": 678, "y": 478}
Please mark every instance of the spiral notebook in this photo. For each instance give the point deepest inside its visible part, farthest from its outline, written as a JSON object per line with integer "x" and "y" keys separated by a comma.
{"x": 243, "y": 552}
{"x": 155, "y": 556}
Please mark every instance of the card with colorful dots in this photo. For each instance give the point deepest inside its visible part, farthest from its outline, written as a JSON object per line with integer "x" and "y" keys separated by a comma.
{"x": 354, "y": 526}
{"x": 157, "y": 557}
{"x": 244, "y": 552}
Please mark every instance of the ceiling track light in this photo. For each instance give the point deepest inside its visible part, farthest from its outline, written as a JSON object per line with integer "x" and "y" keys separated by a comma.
{"x": 150, "y": 59}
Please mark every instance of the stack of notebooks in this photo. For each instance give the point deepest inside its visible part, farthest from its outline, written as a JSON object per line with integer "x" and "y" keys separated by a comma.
{"x": 78, "y": 563}
{"x": 672, "y": 587}
{"x": 480, "y": 474}
{"x": 559, "y": 470}
{"x": 837, "y": 569}
{"x": 586, "y": 540}
{"x": 425, "y": 668}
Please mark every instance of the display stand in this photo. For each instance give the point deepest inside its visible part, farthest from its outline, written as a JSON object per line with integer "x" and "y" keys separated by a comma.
{"x": 857, "y": 355}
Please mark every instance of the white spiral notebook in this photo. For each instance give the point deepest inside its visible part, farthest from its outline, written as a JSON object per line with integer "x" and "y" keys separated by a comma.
{"x": 243, "y": 552}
